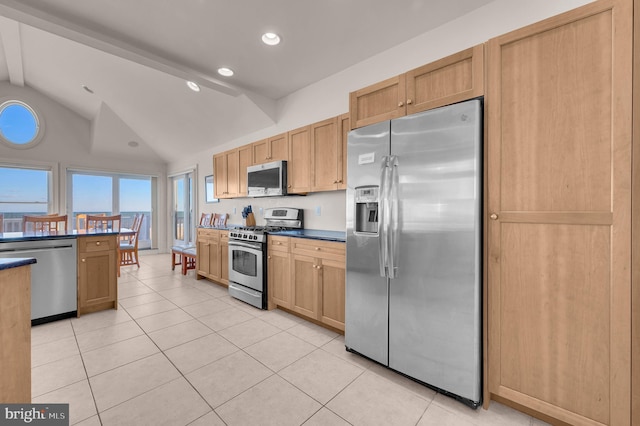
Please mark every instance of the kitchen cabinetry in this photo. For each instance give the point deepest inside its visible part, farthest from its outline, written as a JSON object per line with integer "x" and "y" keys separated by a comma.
{"x": 245, "y": 159}
{"x": 298, "y": 170}
{"x": 271, "y": 149}
{"x": 15, "y": 335}
{"x": 97, "y": 273}
{"x": 230, "y": 171}
{"x": 318, "y": 280}
{"x": 559, "y": 215}
{"x": 212, "y": 255}
{"x": 278, "y": 271}
{"x": 344, "y": 123}
{"x": 326, "y": 155}
{"x": 452, "y": 79}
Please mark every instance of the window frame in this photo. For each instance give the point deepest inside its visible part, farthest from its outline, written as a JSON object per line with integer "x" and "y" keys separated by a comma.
{"x": 40, "y": 131}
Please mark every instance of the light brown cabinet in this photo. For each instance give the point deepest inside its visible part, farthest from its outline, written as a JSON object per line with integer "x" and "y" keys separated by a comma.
{"x": 298, "y": 170}
{"x": 271, "y": 149}
{"x": 278, "y": 271}
{"x": 327, "y": 155}
{"x": 452, "y": 79}
{"x": 97, "y": 273}
{"x": 559, "y": 216}
{"x": 212, "y": 255}
{"x": 15, "y": 335}
{"x": 245, "y": 159}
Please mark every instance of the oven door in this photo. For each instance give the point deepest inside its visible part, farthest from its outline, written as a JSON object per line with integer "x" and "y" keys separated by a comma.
{"x": 246, "y": 264}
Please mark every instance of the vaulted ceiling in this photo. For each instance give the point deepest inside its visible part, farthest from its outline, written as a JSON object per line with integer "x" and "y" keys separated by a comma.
{"x": 135, "y": 56}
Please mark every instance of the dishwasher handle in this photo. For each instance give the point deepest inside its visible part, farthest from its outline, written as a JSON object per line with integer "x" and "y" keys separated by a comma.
{"x": 36, "y": 250}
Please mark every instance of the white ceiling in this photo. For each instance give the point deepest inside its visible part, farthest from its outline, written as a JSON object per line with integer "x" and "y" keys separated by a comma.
{"x": 136, "y": 54}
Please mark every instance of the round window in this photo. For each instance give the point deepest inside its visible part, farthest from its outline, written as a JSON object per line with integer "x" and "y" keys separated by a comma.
{"x": 19, "y": 124}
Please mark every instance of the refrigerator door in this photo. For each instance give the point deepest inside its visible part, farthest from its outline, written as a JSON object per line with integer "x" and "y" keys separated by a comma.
{"x": 366, "y": 305}
{"x": 434, "y": 303}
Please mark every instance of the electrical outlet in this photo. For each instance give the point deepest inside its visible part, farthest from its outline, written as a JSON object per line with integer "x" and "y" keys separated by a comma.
{"x": 318, "y": 211}
{"x": 260, "y": 210}
{"x": 235, "y": 211}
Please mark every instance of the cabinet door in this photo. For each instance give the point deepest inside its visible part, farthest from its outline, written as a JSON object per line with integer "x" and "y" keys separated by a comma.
{"x": 559, "y": 155}
{"x": 279, "y": 281}
{"x": 260, "y": 152}
{"x": 214, "y": 260}
{"x": 279, "y": 147}
{"x": 233, "y": 173}
{"x": 325, "y": 153}
{"x": 305, "y": 285}
{"x": 245, "y": 159}
{"x": 202, "y": 257}
{"x": 449, "y": 80}
{"x": 220, "y": 174}
{"x": 332, "y": 289}
{"x": 379, "y": 102}
{"x": 97, "y": 281}
{"x": 224, "y": 257}
{"x": 344, "y": 122}
{"x": 299, "y": 165}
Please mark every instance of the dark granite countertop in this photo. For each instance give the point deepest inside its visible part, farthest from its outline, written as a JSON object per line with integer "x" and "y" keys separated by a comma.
{"x": 314, "y": 234}
{"x": 35, "y": 236}
{"x": 16, "y": 262}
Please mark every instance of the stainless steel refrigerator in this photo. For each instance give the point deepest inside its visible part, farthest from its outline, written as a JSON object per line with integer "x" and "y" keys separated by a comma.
{"x": 413, "y": 288}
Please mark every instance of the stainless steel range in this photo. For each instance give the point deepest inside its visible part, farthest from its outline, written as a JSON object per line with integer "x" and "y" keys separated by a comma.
{"x": 248, "y": 254}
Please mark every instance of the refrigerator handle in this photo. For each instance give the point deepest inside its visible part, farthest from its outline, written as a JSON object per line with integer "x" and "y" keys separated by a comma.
{"x": 394, "y": 234}
{"x": 382, "y": 217}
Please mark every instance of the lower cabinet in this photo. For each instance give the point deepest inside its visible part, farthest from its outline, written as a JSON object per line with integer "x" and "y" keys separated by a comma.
{"x": 316, "y": 284}
{"x": 97, "y": 273}
{"x": 212, "y": 255}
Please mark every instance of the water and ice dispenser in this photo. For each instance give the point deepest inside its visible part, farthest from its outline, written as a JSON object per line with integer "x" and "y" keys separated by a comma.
{"x": 366, "y": 217}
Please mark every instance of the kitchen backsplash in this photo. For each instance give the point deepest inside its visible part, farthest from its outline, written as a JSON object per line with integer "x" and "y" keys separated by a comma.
{"x": 322, "y": 210}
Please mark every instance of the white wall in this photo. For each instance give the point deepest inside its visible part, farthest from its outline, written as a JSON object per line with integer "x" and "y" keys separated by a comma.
{"x": 67, "y": 144}
{"x": 330, "y": 97}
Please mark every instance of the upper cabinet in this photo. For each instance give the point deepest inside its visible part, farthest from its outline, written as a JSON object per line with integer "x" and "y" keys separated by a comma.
{"x": 452, "y": 79}
{"x": 271, "y": 149}
{"x": 298, "y": 171}
{"x": 326, "y": 155}
{"x": 230, "y": 171}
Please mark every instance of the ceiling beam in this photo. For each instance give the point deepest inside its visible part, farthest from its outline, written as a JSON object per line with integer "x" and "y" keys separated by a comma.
{"x": 10, "y": 35}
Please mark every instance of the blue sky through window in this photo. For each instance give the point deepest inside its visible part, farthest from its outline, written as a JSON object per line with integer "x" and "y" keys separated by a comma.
{"x": 18, "y": 124}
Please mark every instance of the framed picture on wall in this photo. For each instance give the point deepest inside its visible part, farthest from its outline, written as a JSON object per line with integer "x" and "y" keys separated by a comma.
{"x": 208, "y": 190}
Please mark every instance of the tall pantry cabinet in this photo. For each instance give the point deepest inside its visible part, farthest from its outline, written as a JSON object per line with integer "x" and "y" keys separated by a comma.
{"x": 559, "y": 170}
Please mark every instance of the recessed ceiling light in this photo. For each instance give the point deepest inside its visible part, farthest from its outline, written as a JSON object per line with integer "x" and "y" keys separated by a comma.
{"x": 271, "y": 39}
{"x": 133, "y": 144}
{"x": 87, "y": 89}
{"x": 227, "y": 72}
{"x": 193, "y": 86}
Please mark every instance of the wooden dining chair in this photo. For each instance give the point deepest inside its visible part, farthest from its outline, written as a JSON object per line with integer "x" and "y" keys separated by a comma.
{"x": 220, "y": 220}
{"x": 44, "y": 224}
{"x": 129, "y": 247}
{"x": 99, "y": 223}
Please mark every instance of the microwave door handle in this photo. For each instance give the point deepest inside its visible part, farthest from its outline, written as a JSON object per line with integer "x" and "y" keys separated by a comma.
{"x": 382, "y": 217}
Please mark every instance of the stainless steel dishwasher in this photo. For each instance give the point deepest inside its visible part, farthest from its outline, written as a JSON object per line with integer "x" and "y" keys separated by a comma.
{"x": 54, "y": 288}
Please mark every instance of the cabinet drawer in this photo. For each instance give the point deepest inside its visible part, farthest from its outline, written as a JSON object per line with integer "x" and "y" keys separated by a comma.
{"x": 209, "y": 234}
{"x": 224, "y": 236}
{"x": 316, "y": 248}
{"x": 278, "y": 243}
{"x": 97, "y": 243}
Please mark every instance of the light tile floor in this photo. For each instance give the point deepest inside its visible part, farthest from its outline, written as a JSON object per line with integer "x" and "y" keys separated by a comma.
{"x": 180, "y": 351}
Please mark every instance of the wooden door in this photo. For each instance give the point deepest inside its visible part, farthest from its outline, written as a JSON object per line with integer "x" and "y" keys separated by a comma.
{"x": 214, "y": 258}
{"x": 233, "y": 173}
{"x": 279, "y": 147}
{"x": 224, "y": 257}
{"x": 559, "y": 162}
{"x": 97, "y": 272}
{"x": 299, "y": 165}
{"x": 245, "y": 159}
{"x": 279, "y": 281}
{"x": 260, "y": 152}
{"x": 325, "y": 153}
{"x": 381, "y": 101}
{"x": 304, "y": 279}
{"x": 220, "y": 174}
{"x": 456, "y": 78}
{"x": 345, "y": 126}
{"x": 332, "y": 275}
{"x": 203, "y": 262}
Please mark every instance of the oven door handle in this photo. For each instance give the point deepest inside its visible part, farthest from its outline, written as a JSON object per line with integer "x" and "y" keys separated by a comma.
{"x": 244, "y": 244}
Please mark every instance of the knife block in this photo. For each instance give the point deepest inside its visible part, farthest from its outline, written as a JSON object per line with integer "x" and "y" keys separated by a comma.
{"x": 250, "y": 220}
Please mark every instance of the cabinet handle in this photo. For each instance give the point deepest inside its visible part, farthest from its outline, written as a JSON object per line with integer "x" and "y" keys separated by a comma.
{"x": 493, "y": 216}
{"x": 335, "y": 181}
{"x": 409, "y": 101}
{"x": 97, "y": 243}
{"x": 268, "y": 257}
{"x": 400, "y": 104}
{"x": 288, "y": 186}
{"x": 318, "y": 248}
{"x": 278, "y": 242}
{"x": 84, "y": 260}
{"x": 340, "y": 181}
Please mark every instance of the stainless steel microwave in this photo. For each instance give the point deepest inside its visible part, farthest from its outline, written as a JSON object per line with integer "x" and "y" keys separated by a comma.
{"x": 268, "y": 179}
